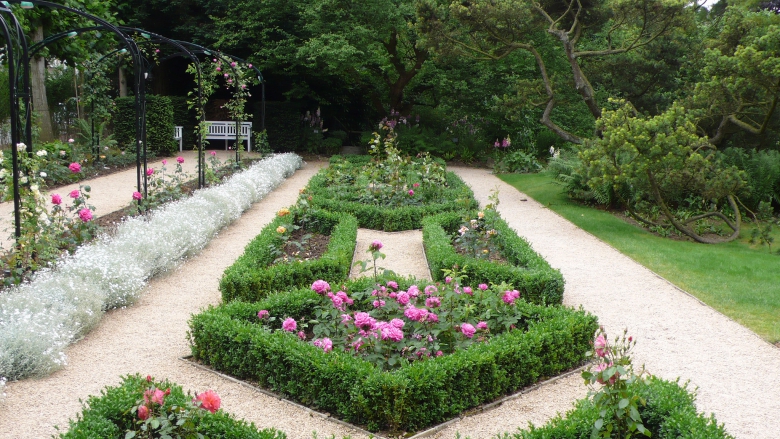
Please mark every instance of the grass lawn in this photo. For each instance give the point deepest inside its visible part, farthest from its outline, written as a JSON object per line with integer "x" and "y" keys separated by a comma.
{"x": 737, "y": 279}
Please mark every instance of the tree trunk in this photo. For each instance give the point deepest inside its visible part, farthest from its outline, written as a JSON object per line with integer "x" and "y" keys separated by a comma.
{"x": 38, "y": 86}
{"x": 122, "y": 82}
{"x": 581, "y": 82}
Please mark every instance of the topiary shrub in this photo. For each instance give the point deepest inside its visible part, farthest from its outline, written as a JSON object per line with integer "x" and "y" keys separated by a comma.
{"x": 110, "y": 416}
{"x": 526, "y": 271}
{"x": 544, "y": 342}
{"x": 253, "y": 276}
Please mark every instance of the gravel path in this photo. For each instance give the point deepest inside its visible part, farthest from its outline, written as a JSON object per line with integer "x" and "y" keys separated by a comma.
{"x": 109, "y": 193}
{"x": 737, "y": 372}
{"x": 404, "y": 253}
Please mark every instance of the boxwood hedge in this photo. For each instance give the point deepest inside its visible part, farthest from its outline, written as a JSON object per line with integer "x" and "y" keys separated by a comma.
{"x": 390, "y": 219}
{"x": 229, "y": 338}
{"x": 252, "y": 276}
{"x": 108, "y": 415}
{"x": 528, "y": 272}
{"x": 670, "y": 413}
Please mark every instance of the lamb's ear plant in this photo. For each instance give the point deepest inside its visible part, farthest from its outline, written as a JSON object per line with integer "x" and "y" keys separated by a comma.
{"x": 610, "y": 384}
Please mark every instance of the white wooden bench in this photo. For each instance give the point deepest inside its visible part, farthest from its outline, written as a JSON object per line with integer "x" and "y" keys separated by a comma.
{"x": 222, "y": 130}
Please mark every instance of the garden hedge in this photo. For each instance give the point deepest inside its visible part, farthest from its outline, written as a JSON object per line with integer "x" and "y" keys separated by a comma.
{"x": 390, "y": 219}
{"x": 528, "y": 272}
{"x": 252, "y": 276}
{"x": 159, "y": 124}
{"x": 187, "y": 118}
{"x": 108, "y": 415}
{"x": 415, "y": 396}
{"x": 670, "y": 413}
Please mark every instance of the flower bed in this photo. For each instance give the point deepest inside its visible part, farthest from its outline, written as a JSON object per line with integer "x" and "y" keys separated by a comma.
{"x": 40, "y": 318}
{"x": 526, "y": 271}
{"x": 253, "y": 276}
{"x": 335, "y": 189}
{"x": 670, "y": 413}
{"x": 544, "y": 342}
{"x": 117, "y": 411}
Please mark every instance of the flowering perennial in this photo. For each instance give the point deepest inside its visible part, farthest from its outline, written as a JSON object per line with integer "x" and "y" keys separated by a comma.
{"x": 40, "y": 318}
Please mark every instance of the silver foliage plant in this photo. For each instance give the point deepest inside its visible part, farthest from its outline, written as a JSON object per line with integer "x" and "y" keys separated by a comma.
{"x": 60, "y": 305}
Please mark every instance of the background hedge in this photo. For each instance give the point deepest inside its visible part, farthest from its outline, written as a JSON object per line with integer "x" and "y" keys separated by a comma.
{"x": 528, "y": 272}
{"x": 187, "y": 119}
{"x": 252, "y": 276}
{"x": 108, "y": 415}
{"x": 159, "y": 124}
{"x": 283, "y": 124}
{"x": 391, "y": 219}
{"x": 230, "y": 339}
{"x": 670, "y": 414}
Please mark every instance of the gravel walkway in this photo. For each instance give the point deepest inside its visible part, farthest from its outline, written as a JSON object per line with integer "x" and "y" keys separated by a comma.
{"x": 737, "y": 372}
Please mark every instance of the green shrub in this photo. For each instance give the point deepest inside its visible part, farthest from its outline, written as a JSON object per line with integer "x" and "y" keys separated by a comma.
{"x": 283, "y": 123}
{"x": 159, "y": 124}
{"x": 252, "y": 276}
{"x": 230, "y": 339}
{"x": 528, "y": 272}
{"x": 185, "y": 118}
{"x": 457, "y": 194}
{"x": 670, "y": 413}
{"x": 108, "y": 415}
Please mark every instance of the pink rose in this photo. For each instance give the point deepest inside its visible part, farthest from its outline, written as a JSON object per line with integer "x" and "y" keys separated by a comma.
{"x": 209, "y": 400}
{"x": 510, "y": 297}
{"x": 325, "y": 343}
{"x": 56, "y": 199}
{"x": 600, "y": 345}
{"x": 301, "y": 335}
{"x": 364, "y": 321}
{"x": 74, "y": 194}
{"x": 74, "y": 168}
{"x": 468, "y": 290}
{"x": 379, "y": 303}
{"x": 468, "y": 330}
{"x": 143, "y": 412}
{"x": 262, "y": 314}
{"x": 398, "y": 323}
{"x": 433, "y": 302}
{"x": 320, "y": 286}
{"x": 482, "y": 325}
{"x": 447, "y": 279}
{"x": 179, "y": 159}
{"x": 439, "y": 353}
{"x": 289, "y": 324}
{"x": 137, "y": 196}
{"x": 416, "y": 185}
{"x": 403, "y": 298}
{"x": 483, "y": 287}
{"x": 392, "y": 284}
{"x": 219, "y": 69}
{"x": 164, "y": 162}
{"x": 411, "y": 192}
{"x": 376, "y": 246}
{"x": 150, "y": 171}
{"x": 85, "y": 215}
{"x": 213, "y": 153}
{"x": 600, "y": 374}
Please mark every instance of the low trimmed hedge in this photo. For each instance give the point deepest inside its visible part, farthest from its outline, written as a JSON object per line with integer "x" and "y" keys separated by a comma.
{"x": 230, "y": 339}
{"x": 670, "y": 413}
{"x": 389, "y": 219}
{"x": 108, "y": 415}
{"x": 528, "y": 272}
{"x": 252, "y": 276}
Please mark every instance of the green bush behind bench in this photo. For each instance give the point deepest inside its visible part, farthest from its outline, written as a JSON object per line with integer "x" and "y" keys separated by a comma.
{"x": 528, "y": 272}
{"x": 670, "y": 413}
{"x": 252, "y": 276}
{"x": 229, "y": 339}
{"x": 108, "y": 416}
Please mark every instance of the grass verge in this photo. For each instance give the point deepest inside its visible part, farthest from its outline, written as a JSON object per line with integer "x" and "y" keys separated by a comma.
{"x": 735, "y": 278}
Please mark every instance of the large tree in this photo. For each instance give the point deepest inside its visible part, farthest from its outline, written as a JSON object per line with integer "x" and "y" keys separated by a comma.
{"x": 580, "y": 29}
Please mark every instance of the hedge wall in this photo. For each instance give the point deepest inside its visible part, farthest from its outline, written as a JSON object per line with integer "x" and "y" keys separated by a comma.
{"x": 391, "y": 219}
{"x": 186, "y": 118}
{"x": 252, "y": 277}
{"x": 159, "y": 124}
{"x": 528, "y": 272}
{"x": 410, "y": 398}
{"x": 283, "y": 124}
{"x": 670, "y": 413}
{"x": 108, "y": 415}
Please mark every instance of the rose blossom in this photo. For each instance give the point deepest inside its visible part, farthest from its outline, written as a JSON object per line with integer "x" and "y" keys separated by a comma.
{"x": 413, "y": 291}
{"x": 213, "y": 153}
{"x": 411, "y": 192}
{"x": 179, "y": 159}
{"x": 155, "y": 395}
{"x": 430, "y": 289}
{"x": 482, "y": 325}
{"x": 143, "y": 412}
{"x": 137, "y": 196}
{"x": 325, "y": 343}
{"x": 447, "y": 279}
{"x": 398, "y": 323}
{"x": 600, "y": 345}
{"x": 600, "y": 369}
{"x": 74, "y": 193}
{"x": 376, "y": 245}
{"x": 416, "y": 185}
{"x": 432, "y": 317}
{"x": 483, "y": 287}
{"x": 510, "y": 297}
{"x": 85, "y": 215}
{"x": 320, "y": 286}
{"x": 164, "y": 162}
{"x": 468, "y": 330}
{"x": 433, "y": 302}
{"x": 346, "y": 318}
{"x": 392, "y": 284}
{"x": 301, "y": 335}
{"x": 150, "y": 171}
{"x": 364, "y": 321}
{"x": 289, "y": 324}
{"x": 468, "y": 290}
{"x": 263, "y": 313}
{"x": 209, "y": 400}
{"x": 378, "y": 303}
{"x": 403, "y": 298}
{"x": 74, "y": 168}
{"x": 56, "y": 199}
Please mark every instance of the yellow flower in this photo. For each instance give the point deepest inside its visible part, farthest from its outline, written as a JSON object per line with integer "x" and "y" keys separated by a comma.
{"x": 280, "y": 229}
{"x": 485, "y": 251}
{"x": 481, "y": 215}
{"x": 283, "y": 212}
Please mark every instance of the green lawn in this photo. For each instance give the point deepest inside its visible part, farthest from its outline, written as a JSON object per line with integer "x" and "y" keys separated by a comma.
{"x": 737, "y": 279}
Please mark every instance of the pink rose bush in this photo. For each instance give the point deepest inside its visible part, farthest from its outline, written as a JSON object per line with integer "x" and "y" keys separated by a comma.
{"x": 391, "y": 325}
{"x": 75, "y": 167}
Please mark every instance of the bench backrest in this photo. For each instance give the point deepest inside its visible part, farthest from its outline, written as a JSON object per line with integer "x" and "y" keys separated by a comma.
{"x": 220, "y": 129}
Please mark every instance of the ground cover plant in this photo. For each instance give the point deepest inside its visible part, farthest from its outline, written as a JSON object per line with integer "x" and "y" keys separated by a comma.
{"x": 257, "y": 272}
{"x": 734, "y": 278}
{"x": 144, "y": 408}
{"x": 395, "y": 356}
{"x": 524, "y": 268}
{"x": 40, "y": 318}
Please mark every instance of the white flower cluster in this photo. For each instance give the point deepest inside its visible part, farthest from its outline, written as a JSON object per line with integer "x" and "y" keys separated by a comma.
{"x": 40, "y": 318}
